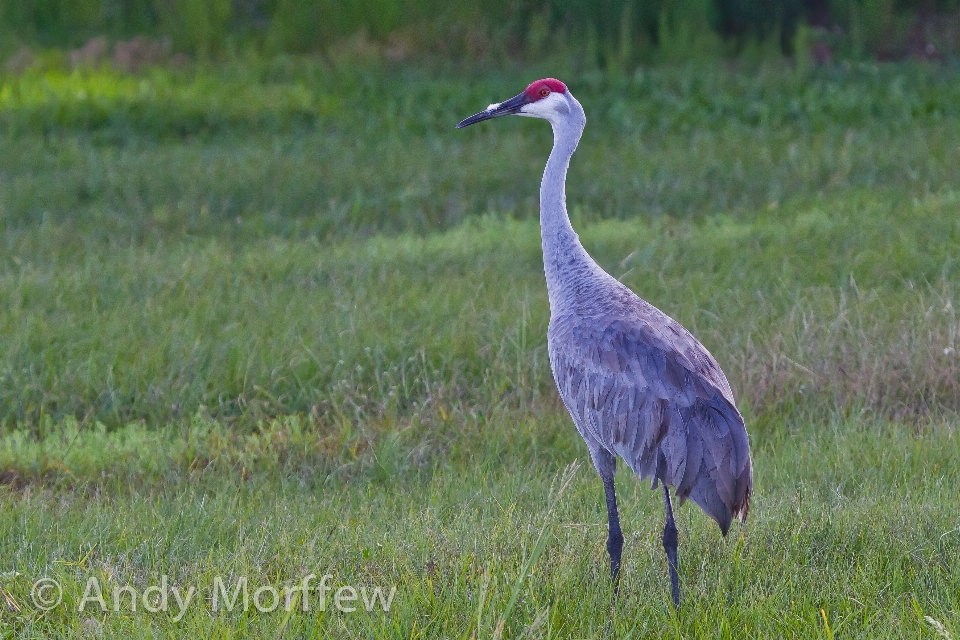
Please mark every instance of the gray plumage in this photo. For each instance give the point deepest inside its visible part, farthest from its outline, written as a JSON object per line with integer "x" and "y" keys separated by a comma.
{"x": 637, "y": 384}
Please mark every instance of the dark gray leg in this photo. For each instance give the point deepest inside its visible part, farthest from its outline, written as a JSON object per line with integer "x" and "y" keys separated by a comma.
{"x": 614, "y": 535}
{"x": 606, "y": 464}
{"x": 670, "y": 546}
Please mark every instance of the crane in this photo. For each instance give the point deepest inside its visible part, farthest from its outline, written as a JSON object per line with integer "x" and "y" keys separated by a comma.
{"x": 637, "y": 384}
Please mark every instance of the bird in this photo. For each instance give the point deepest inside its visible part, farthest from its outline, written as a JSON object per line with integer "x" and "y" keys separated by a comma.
{"x": 638, "y": 385}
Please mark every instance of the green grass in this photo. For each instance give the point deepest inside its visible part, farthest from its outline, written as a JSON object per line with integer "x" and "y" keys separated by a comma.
{"x": 855, "y": 305}
{"x": 313, "y": 151}
{"x": 852, "y": 520}
{"x": 283, "y": 319}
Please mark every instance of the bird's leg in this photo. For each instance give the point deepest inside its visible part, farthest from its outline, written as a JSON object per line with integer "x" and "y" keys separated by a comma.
{"x": 670, "y": 546}
{"x": 614, "y": 535}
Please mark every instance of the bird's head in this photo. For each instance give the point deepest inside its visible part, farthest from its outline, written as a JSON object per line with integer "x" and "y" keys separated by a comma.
{"x": 547, "y": 99}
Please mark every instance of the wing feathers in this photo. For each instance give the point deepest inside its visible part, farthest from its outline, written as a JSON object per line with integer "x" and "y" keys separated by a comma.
{"x": 665, "y": 409}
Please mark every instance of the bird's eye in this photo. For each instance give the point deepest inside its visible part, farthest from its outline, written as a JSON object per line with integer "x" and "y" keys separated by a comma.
{"x": 544, "y": 92}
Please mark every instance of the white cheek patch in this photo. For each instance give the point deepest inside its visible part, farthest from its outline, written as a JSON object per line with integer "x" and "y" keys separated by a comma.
{"x": 546, "y": 108}
{"x": 493, "y": 106}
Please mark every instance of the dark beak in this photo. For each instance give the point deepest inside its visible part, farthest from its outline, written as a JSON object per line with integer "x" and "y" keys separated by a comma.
{"x": 507, "y": 108}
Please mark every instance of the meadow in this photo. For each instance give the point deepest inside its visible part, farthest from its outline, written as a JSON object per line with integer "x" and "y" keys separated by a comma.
{"x": 278, "y": 317}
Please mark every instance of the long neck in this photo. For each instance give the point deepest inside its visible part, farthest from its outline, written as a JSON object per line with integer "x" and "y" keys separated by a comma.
{"x": 562, "y": 252}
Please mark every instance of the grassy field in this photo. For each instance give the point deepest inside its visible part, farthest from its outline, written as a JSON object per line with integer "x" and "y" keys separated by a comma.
{"x": 269, "y": 321}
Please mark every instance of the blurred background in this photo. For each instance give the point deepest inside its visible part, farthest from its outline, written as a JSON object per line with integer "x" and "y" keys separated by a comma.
{"x": 155, "y": 153}
{"x": 602, "y": 33}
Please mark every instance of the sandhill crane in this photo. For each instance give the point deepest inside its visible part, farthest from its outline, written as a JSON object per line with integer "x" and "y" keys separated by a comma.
{"x": 637, "y": 384}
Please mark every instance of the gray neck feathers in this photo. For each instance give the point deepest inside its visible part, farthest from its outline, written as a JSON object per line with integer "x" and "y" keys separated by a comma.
{"x": 565, "y": 262}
